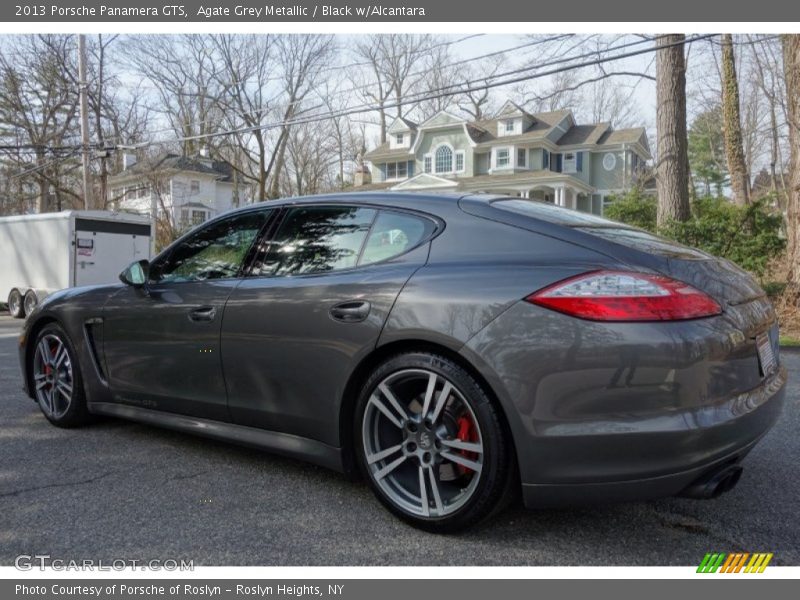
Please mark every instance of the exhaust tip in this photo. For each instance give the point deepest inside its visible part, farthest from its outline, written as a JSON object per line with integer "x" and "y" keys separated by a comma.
{"x": 714, "y": 484}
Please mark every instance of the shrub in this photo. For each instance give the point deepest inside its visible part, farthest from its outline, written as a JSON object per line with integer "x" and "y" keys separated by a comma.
{"x": 635, "y": 209}
{"x": 749, "y": 235}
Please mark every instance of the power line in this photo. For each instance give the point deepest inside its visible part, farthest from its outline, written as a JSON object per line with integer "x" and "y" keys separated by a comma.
{"x": 470, "y": 87}
{"x": 342, "y": 92}
{"x": 453, "y": 87}
{"x": 487, "y": 85}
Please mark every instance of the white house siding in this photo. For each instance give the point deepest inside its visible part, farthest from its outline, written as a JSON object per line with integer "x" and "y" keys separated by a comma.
{"x": 223, "y": 200}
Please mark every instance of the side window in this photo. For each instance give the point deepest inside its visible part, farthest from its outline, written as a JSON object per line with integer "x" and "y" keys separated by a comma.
{"x": 317, "y": 239}
{"x": 215, "y": 252}
{"x": 394, "y": 233}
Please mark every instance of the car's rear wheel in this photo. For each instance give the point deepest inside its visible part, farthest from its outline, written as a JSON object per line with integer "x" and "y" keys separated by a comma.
{"x": 431, "y": 443}
{"x": 56, "y": 378}
{"x": 15, "y": 304}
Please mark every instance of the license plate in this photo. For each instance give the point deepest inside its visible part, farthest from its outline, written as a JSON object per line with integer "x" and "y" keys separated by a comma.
{"x": 765, "y": 354}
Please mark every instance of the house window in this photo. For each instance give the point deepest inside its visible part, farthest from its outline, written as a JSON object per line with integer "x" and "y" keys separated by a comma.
{"x": 143, "y": 191}
{"x": 199, "y": 216}
{"x": 399, "y": 138}
{"x": 130, "y": 193}
{"x": 508, "y": 126}
{"x": 545, "y": 159}
{"x": 502, "y": 158}
{"x": 570, "y": 164}
{"x": 195, "y": 187}
{"x": 398, "y": 170}
{"x": 522, "y": 157}
{"x": 444, "y": 159}
{"x": 460, "y": 161}
{"x": 184, "y": 217}
{"x": 427, "y": 163}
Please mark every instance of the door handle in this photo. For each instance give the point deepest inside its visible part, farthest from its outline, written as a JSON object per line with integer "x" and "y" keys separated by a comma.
{"x": 204, "y": 313}
{"x": 352, "y": 311}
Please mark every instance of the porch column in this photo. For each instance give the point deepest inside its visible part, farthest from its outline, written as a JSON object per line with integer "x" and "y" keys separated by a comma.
{"x": 560, "y": 195}
{"x": 569, "y": 197}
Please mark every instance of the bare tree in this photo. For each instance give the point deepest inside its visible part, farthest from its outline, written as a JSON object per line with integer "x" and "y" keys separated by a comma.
{"x": 37, "y": 111}
{"x": 732, "y": 125}
{"x": 304, "y": 59}
{"x": 770, "y": 82}
{"x": 182, "y": 72}
{"x": 440, "y": 83}
{"x": 791, "y": 64}
{"x": 392, "y": 70}
{"x": 247, "y": 67}
{"x": 672, "y": 168}
{"x": 478, "y": 102}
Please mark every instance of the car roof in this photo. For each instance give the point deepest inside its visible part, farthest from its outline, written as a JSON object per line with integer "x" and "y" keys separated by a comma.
{"x": 426, "y": 201}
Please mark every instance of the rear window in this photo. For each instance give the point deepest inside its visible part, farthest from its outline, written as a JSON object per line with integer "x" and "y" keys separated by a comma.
{"x": 645, "y": 242}
{"x": 602, "y": 228}
{"x": 551, "y": 213}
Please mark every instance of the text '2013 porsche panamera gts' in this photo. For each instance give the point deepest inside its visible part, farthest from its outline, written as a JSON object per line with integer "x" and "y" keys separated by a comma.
{"x": 452, "y": 349}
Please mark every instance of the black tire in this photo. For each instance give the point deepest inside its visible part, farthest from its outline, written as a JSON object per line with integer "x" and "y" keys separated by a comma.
{"x": 30, "y": 302}
{"x": 76, "y": 413}
{"x": 494, "y": 488}
{"x": 16, "y": 307}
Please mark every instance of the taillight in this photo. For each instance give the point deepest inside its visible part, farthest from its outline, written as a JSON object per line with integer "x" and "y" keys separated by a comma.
{"x": 624, "y": 296}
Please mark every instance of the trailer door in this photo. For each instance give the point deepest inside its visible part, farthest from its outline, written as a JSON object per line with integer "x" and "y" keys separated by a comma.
{"x": 103, "y": 249}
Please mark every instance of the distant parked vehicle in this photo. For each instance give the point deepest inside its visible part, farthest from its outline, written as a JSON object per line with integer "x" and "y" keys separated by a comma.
{"x": 51, "y": 251}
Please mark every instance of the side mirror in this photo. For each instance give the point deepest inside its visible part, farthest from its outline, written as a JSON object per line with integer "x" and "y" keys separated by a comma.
{"x": 136, "y": 274}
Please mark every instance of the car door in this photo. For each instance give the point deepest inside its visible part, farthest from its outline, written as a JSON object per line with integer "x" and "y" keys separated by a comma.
{"x": 161, "y": 342}
{"x": 313, "y": 307}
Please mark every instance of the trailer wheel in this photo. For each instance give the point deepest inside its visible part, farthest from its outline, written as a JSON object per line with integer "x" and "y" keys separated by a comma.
{"x": 15, "y": 304}
{"x": 31, "y": 301}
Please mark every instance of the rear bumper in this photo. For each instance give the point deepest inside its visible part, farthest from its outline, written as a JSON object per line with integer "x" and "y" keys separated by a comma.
{"x": 658, "y": 463}
{"x": 701, "y": 450}
{"x": 609, "y": 412}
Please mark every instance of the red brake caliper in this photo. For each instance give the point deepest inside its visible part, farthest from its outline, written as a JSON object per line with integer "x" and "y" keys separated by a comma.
{"x": 467, "y": 432}
{"x": 47, "y": 368}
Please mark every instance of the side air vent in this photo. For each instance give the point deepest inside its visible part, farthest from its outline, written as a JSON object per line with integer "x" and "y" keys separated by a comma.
{"x": 93, "y": 330}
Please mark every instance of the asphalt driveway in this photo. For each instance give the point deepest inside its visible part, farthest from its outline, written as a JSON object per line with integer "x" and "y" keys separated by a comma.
{"x": 119, "y": 490}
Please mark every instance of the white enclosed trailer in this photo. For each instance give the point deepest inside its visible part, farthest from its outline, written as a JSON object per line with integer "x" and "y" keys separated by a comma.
{"x": 51, "y": 251}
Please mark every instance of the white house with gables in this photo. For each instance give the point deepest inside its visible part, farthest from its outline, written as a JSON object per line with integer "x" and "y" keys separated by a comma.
{"x": 547, "y": 156}
{"x": 192, "y": 189}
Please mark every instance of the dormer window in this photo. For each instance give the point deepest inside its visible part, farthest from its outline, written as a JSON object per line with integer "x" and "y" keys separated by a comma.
{"x": 508, "y": 125}
{"x": 399, "y": 139}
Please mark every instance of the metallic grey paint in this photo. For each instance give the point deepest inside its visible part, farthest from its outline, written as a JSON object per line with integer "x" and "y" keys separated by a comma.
{"x": 601, "y": 411}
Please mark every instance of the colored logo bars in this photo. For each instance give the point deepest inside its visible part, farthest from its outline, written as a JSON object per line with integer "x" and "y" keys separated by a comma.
{"x": 735, "y": 563}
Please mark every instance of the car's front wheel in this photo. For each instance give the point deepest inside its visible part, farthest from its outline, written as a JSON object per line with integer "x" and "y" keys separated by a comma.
{"x": 56, "y": 378}
{"x": 431, "y": 443}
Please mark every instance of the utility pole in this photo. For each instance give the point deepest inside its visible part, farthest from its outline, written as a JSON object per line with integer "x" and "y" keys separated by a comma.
{"x": 84, "y": 96}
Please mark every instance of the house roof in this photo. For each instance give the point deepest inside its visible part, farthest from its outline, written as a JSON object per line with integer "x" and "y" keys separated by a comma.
{"x": 624, "y": 136}
{"x": 584, "y": 134}
{"x": 403, "y": 124}
{"x": 484, "y": 134}
{"x": 762, "y": 183}
{"x": 542, "y": 124}
{"x": 510, "y": 108}
{"x": 219, "y": 169}
{"x": 384, "y": 153}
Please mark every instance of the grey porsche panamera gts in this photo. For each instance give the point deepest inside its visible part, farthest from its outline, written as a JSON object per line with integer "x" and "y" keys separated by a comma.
{"x": 452, "y": 349}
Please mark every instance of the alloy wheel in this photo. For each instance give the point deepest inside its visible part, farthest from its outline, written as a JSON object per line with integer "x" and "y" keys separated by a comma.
{"x": 53, "y": 376}
{"x": 15, "y": 303}
{"x": 422, "y": 443}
